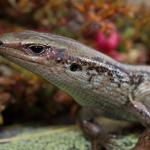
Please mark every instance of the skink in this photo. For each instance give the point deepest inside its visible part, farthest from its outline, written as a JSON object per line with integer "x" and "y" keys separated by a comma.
{"x": 93, "y": 79}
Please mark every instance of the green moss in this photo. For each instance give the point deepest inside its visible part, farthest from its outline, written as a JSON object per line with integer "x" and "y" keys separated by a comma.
{"x": 62, "y": 138}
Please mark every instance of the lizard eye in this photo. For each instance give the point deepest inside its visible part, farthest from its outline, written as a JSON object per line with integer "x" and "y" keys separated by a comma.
{"x": 75, "y": 67}
{"x": 37, "y": 49}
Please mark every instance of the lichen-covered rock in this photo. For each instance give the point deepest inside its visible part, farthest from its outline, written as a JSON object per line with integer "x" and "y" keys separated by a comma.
{"x": 61, "y": 138}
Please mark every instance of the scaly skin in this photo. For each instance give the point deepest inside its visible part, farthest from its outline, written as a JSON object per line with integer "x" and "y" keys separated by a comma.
{"x": 93, "y": 79}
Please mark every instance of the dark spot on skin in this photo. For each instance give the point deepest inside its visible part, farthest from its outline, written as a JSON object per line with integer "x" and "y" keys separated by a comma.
{"x": 119, "y": 85}
{"x": 110, "y": 73}
{"x": 91, "y": 77}
{"x": 102, "y": 69}
{"x": 84, "y": 63}
{"x": 90, "y": 68}
{"x": 1, "y": 43}
{"x": 141, "y": 79}
{"x": 136, "y": 80}
{"x": 90, "y": 74}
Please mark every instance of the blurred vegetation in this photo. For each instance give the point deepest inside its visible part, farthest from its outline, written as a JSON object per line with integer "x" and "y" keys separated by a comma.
{"x": 117, "y": 28}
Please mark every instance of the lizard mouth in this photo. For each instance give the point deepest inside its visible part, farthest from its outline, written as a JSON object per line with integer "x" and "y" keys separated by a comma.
{"x": 8, "y": 52}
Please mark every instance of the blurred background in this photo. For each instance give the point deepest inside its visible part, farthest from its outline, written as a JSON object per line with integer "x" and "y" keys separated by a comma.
{"x": 120, "y": 29}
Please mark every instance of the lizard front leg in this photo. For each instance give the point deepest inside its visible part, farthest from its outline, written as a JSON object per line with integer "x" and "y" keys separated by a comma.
{"x": 139, "y": 102}
{"x": 140, "y": 111}
{"x": 92, "y": 130}
{"x": 140, "y": 108}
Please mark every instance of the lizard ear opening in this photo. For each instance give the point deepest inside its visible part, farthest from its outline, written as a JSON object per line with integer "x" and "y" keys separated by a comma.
{"x": 75, "y": 67}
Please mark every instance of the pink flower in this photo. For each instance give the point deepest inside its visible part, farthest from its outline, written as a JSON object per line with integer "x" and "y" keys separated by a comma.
{"x": 108, "y": 44}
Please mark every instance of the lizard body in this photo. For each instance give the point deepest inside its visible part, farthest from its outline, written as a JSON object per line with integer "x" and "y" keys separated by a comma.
{"x": 94, "y": 80}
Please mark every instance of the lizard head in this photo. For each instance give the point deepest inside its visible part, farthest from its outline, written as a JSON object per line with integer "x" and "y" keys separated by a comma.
{"x": 62, "y": 61}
